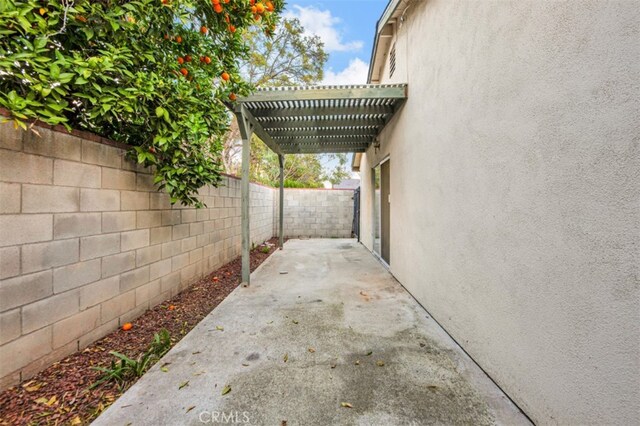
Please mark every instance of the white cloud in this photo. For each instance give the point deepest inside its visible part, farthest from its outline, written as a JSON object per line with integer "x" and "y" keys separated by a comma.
{"x": 355, "y": 73}
{"x": 323, "y": 24}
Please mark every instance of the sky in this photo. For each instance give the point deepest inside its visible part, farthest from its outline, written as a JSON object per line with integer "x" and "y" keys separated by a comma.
{"x": 347, "y": 28}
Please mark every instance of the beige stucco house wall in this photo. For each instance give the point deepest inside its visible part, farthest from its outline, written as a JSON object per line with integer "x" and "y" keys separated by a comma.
{"x": 515, "y": 194}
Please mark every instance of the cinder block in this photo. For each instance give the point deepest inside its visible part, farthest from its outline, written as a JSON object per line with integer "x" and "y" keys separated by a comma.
{"x": 53, "y": 144}
{"x": 93, "y": 200}
{"x": 24, "y": 350}
{"x": 147, "y": 255}
{"x": 10, "y": 137}
{"x": 196, "y": 228}
{"x": 97, "y": 333}
{"x": 25, "y": 168}
{"x": 170, "y": 217}
{"x": 159, "y": 201}
{"x": 145, "y": 293}
{"x": 132, "y": 240}
{"x": 145, "y": 183}
{"x": 149, "y": 218}
{"x": 133, "y": 279}
{"x": 98, "y": 292}
{"x": 117, "y": 306}
{"x": 70, "y": 173}
{"x": 169, "y": 283}
{"x": 134, "y": 166}
{"x": 134, "y": 200}
{"x": 171, "y": 249}
{"x": 70, "y": 329}
{"x": 44, "y": 312}
{"x": 159, "y": 235}
{"x": 188, "y": 215}
{"x": 9, "y": 262}
{"x": 41, "y": 363}
{"x": 76, "y": 225}
{"x": 195, "y": 255}
{"x": 40, "y": 256}
{"x": 202, "y": 214}
{"x": 187, "y": 274}
{"x": 202, "y": 240}
{"x": 99, "y": 246}
{"x": 25, "y": 289}
{"x": 118, "y": 263}
{"x": 10, "y": 196}
{"x": 10, "y": 326}
{"x": 159, "y": 269}
{"x": 118, "y": 179}
{"x": 180, "y": 231}
{"x": 76, "y": 275}
{"x": 47, "y": 199}
{"x": 188, "y": 244}
{"x": 180, "y": 261}
{"x": 118, "y": 221}
{"x": 134, "y": 313}
{"x": 101, "y": 154}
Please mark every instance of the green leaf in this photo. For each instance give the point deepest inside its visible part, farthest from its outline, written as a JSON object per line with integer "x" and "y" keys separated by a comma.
{"x": 226, "y": 390}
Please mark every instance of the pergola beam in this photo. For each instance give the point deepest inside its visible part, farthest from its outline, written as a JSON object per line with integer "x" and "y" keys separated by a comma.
{"x": 319, "y": 132}
{"x": 328, "y": 93}
{"x": 322, "y": 150}
{"x": 258, "y": 129}
{"x": 330, "y": 122}
{"x": 259, "y": 113}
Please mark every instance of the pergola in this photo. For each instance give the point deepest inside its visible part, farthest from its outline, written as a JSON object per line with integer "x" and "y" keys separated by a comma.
{"x": 300, "y": 120}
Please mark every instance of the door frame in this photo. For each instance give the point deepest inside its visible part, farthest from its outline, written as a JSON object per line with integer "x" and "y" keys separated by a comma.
{"x": 375, "y": 212}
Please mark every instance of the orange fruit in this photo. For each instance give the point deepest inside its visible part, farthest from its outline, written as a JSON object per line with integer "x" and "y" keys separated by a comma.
{"x": 165, "y": 1}
{"x": 232, "y": 96}
{"x": 207, "y": 60}
{"x": 226, "y": 1}
{"x": 171, "y": 307}
{"x": 232, "y": 28}
{"x": 269, "y": 6}
{"x": 254, "y": 9}
{"x": 216, "y": 279}
{"x": 225, "y": 76}
{"x": 127, "y": 326}
{"x": 217, "y": 8}
{"x": 184, "y": 71}
{"x": 214, "y": 2}
{"x": 166, "y": 36}
{"x": 260, "y": 7}
{"x": 226, "y": 18}
{"x": 204, "y": 30}
{"x": 252, "y": 2}
{"x": 257, "y": 17}
{"x": 180, "y": 60}
{"x": 178, "y": 39}
{"x": 187, "y": 58}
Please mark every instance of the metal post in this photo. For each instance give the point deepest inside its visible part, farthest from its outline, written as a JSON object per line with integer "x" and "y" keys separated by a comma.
{"x": 281, "y": 214}
{"x": 245, "y": 132}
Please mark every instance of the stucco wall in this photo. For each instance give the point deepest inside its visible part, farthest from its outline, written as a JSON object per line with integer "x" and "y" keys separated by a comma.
{"x": 320, "y": 213}
{"x": 515, "y": 213}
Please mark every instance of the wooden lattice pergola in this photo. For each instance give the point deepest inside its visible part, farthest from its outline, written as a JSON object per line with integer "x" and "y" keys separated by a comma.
{"x": 299, "y": 120}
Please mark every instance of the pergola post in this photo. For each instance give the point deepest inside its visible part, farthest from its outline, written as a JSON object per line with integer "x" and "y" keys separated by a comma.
{"x": 281, "y": 205}
{"x": 245, "y": 132}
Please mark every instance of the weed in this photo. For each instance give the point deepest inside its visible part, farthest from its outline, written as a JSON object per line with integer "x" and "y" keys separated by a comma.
{"x": 124, "y": 368}
{"x": 265, "y": 249}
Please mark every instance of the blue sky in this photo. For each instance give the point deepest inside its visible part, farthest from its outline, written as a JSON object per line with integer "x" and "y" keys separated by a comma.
{"x": 347, "y": 28}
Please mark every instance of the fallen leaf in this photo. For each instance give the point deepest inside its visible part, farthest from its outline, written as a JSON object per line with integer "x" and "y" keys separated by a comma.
{"x": 334, "y": 365}
{"x": 357, "y": 362}
{"x": 226, "y": 390}
{"x": 183, "y": 384}
{"x": 295, "y": 321}
{"x": 76, "y": 420}
{"x": 346, "y": 405}
{"x": 432, "y": 387}
{"x": 164, "y": 364}
{"x": 199, "y": 373}
{"x": 219, "y": 327}
{"x": 283, "y": 423}
{"x": 190, "y": 408}
{"x": 42, "y": 400}
{"x": 362, "y": 293}
{"x": 32, "y": 388}
{"x": 312, "y": 350}
{"x": 369, "y": 353}
{"x": 380, "y": 363}
{"x": 286, "y": 357}
{"x": 164, "y": 369}
{"x": 245, "y": 365}
{"x": 195, "y": 353}
{"x": 52, "y": 400}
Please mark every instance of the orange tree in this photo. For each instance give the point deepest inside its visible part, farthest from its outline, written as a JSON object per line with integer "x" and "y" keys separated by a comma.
{"x": 155, "y": 74}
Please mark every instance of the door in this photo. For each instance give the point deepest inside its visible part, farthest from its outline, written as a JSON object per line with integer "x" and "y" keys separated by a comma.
{"x": 385, "y": 211}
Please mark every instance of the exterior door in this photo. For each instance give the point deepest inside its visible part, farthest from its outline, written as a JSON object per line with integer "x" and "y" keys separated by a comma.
{"x": 385, "y": 211}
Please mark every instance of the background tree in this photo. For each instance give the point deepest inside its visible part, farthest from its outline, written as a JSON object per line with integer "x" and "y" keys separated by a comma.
{"x": 288, "y": 58}
{"x": 155, "y": 74}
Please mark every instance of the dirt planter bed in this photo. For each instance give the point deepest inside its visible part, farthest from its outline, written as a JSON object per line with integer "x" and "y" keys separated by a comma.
{"x": 61, "y": 395}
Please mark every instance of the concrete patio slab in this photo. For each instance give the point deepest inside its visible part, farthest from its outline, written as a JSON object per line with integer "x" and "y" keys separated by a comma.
{"x": 322, "y": 324}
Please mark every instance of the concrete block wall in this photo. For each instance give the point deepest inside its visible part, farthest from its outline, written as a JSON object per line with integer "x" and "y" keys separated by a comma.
{"x": 87, "y": 243}
{"x": 318, "y": 213}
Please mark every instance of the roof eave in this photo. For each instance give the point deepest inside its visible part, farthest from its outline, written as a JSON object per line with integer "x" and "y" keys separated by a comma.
{"x": 386, "y": 16}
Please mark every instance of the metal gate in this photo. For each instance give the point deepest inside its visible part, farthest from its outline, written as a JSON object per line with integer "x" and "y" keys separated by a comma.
{"x": 355, "y": 227}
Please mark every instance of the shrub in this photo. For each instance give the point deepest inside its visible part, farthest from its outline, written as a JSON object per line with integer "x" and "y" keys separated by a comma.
{"x": 156, "y": 74}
